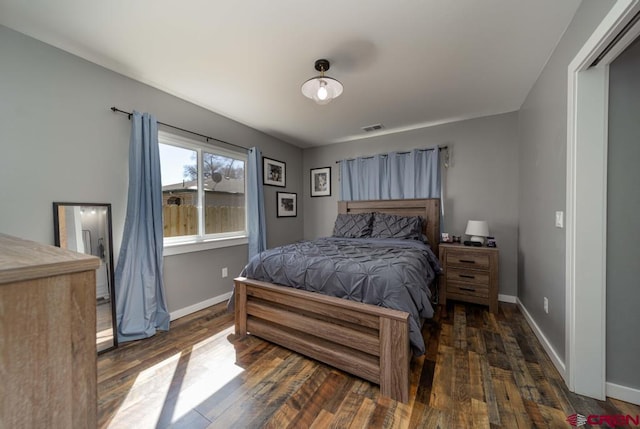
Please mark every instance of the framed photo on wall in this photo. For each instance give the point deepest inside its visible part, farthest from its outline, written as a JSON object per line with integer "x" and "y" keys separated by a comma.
{"x": 287, "y": 204}
{"x": 321, "y": 182}
{"x": 274, "y": 172}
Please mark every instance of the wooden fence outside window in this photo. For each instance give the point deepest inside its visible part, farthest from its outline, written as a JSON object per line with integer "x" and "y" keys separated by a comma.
{"x": 183, "y": 220}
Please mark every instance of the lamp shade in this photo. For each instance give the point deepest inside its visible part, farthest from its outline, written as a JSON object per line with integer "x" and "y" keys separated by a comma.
{"x": 322, "y": 89}
{"x": 477, "y": 229}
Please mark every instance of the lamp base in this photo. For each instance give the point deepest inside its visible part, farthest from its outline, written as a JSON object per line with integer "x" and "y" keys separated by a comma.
{"x": 477, "y": 239}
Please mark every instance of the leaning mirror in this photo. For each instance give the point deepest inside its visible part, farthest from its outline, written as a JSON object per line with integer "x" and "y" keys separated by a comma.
{"x": 86, "y": 228}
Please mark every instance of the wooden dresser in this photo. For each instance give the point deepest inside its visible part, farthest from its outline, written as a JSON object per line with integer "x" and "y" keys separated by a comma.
{"x": 47, "y": 336}
{"x": 470, "y": 274}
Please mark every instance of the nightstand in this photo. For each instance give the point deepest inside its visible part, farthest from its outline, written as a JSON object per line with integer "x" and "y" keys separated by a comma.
{"x": 469, "y": 274}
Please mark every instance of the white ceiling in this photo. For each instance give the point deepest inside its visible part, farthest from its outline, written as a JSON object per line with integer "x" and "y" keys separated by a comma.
{"x": 404, "y": 63}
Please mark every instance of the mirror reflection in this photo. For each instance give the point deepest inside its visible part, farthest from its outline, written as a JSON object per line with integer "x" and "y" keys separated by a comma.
{"x": 86, "y": 228}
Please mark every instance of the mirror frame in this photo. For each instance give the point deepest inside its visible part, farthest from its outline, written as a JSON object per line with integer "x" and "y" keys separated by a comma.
{"x": 56, "y": 235}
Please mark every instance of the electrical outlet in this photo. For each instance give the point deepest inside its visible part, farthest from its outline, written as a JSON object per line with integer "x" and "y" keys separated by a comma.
{"x": 546, "y": 305}
{"x": 225, "y": 272}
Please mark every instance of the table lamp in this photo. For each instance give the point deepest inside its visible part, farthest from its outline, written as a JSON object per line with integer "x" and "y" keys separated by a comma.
{"x": 478, "y": 230}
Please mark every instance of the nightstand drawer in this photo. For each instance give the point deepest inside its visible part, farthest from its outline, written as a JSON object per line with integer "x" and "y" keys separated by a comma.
{"x": 467, "y": 259}
{"x": 463, "y": 289}
{"x": 468, "y": 276}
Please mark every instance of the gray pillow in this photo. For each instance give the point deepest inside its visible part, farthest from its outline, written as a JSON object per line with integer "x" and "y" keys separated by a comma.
{"x": 394, "y": 226}
{"x": 353, "y": 225}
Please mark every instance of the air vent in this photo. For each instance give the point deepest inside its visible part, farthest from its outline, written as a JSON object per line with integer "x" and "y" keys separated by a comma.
{"x": 374, "y": 127}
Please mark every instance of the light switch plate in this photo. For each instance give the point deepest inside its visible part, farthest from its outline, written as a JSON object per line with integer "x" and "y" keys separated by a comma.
{"x": 560, "y": 219}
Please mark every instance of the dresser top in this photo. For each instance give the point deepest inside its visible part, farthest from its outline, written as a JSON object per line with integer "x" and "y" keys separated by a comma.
{"x": 469, "y": 248}
{"x": 22, "y": 260}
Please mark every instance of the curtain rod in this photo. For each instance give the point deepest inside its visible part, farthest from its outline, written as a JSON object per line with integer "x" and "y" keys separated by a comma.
{"x": 115, "y": 109}
{"x": 399, "y": 153}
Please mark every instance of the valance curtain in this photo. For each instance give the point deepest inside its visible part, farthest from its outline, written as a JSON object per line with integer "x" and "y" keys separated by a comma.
{"x": 255, "y": 203}
{"x": 396, "y": 175}
{"x": 140, "y": 298}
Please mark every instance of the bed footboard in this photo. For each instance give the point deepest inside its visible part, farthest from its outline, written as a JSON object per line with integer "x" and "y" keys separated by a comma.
{"x": 368, "y": 341}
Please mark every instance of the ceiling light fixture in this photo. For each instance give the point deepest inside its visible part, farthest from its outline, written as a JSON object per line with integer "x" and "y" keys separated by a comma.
{"x": 322, "y": 89}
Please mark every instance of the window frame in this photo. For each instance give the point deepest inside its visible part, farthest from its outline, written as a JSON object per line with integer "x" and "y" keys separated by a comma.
{"x": 202, "y": 241}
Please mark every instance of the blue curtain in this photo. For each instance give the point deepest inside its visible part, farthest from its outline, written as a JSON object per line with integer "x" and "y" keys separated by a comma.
{"x": 255, "y": 204}
{"x": 140, "y": 302}
{"x": 362, "y": 177}
{"x": 397, "y": 175}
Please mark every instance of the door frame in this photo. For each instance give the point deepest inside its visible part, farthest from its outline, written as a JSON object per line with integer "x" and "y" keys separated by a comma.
{"x": 586, "y": 204}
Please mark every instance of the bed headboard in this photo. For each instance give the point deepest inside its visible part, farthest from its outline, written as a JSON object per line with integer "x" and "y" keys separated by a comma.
{"x": 428, "y": 208}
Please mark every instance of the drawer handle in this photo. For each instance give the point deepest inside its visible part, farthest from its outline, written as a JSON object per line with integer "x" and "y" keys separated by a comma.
{"x": 466, "y": 276}
{"x": 469, "y": 289}
{"x": 467, "y": 261}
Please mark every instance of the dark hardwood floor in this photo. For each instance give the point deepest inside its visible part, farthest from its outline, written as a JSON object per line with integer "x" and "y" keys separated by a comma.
{"x": 480, "y": 370}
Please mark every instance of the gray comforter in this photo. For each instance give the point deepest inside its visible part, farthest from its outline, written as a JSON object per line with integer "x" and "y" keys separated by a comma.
{"x": 391, "y": 273}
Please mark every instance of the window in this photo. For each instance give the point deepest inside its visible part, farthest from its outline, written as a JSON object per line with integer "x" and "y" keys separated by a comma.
{"x": 203, "y": 194}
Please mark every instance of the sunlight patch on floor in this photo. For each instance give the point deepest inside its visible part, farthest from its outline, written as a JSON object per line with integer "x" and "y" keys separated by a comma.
{"x": 206, "y": 386}
{"x": 151, "y": 387}
{"x": 204, "y": 377}
{"x": 198, "y": 375}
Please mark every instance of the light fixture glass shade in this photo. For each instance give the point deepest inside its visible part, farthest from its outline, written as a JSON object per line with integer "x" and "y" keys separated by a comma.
{"x": 322, "y": 89}
{"x": 477, "y": 229}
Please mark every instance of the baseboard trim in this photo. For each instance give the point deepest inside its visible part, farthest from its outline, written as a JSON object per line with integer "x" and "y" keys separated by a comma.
{"x": 623, "y": 393}
{"x": 551, "y": 352}
{"x": 507, "y": 298}
{"x": 199, "y": 306}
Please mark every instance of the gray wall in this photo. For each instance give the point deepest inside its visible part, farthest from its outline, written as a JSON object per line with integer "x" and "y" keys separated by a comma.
{"x": 481, "y": 183}
{"x": 542, "y": 161}
{"x": 60, "y": 142}
{"x": 623, "y": 230}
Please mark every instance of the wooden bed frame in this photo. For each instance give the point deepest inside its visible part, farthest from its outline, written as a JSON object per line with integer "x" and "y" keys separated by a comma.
{"x": 365, "y": 340}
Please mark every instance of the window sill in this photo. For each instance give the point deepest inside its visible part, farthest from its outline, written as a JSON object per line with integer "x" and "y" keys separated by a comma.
{"x": 200, "y": 245}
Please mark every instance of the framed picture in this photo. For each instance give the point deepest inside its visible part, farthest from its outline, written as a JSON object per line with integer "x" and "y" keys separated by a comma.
{"x": 287, "y": 204}
{"x": 274, "y": 172}
{"x": 321, "y": 182}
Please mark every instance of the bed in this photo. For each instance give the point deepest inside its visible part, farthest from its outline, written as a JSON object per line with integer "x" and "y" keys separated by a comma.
{"x": 369, "y": 341}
